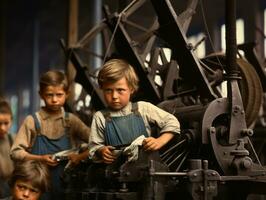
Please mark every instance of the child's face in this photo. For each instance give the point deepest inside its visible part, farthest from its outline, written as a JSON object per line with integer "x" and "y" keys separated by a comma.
{"x": 5, "y": 124}
{"x": 54, "y": 98}
{"x": 117, "y": 94}
{"x": 23, "y": 190}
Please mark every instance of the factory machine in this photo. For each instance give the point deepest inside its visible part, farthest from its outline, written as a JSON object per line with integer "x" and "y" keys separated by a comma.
{"x": 218, "y": 100}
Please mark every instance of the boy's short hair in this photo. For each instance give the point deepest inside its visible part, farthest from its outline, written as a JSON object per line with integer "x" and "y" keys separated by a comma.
{"x": 5, "y": 107}
{"x": 115, "y": 69}
{"x": 36, "y": 172}
{"x": 53, "y": 78}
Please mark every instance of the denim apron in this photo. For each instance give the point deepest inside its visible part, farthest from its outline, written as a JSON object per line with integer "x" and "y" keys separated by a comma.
{"x": 123, "y": 130}
{"x": 44, "y": 145}
{"x": 4, "y": 188}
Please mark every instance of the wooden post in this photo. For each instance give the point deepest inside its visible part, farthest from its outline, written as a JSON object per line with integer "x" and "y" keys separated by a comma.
{"x": 72, "y": 39}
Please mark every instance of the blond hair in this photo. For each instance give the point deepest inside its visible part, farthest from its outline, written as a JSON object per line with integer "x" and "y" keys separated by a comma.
{"x": 115, "y": 69}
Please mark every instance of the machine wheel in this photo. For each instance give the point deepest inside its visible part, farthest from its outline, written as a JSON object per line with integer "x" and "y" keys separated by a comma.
{"x": 250, "y": 85}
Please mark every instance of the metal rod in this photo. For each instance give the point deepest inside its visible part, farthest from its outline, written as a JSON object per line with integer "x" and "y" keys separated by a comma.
{"x": 173, "y": 147}
{"x": 182, "y": 161}
{"x": 176, "y": 158}
{"x": 168, "y": 174}
{"x": 231, "y": 48}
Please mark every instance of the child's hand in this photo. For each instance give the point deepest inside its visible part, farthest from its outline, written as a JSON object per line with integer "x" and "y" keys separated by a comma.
{"x": 48, "y": 160}
{"x": 74, "y": 158}
{"x": 152, "y": 144}
{"x": 107, "y": 154}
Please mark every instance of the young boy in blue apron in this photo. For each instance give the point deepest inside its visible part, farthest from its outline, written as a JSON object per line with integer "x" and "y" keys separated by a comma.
{"x": 123, "y": 121}
{"x": 51, "y": 130}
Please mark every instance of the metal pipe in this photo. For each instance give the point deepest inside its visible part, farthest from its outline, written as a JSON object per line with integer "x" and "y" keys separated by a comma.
{"x": 231, "y": 48}
{"x": 169, "y": 174}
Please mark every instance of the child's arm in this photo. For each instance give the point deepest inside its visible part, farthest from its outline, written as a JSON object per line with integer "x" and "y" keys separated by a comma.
{"x": 76, "y": 158}
{"x": 152, "y": 144}
{"x": 47, "y": 159}
{"x": 97, "y": 149}
{"x": 80, "y": 130}
{"x": 23, "y": 140}
{"x": 167, "y": 123}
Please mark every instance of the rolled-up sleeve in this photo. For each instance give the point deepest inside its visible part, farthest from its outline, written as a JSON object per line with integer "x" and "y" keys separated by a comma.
{"x": 96, "y": 139}
{"x": 23, "y": 139}
{"x": 79, "y": 130}
{"x": 164, "y": 120}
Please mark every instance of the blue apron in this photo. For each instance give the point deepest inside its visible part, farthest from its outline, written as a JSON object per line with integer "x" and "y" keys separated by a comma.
{"x": 123, "y": 130}
{"x": 44, "y": 145}
{"x": 4, "y": 188}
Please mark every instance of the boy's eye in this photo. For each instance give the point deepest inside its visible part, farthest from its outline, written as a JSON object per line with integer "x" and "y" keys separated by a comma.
{"x": 121, "y": 90}
{"x": 54, "y": 95}
{"x": 34, "y": 191}
{"x": 4, "y": 123}
{"x": 107, "y": 91}
{"x": 21, "y": 187}
{"x": 49, "y": 95}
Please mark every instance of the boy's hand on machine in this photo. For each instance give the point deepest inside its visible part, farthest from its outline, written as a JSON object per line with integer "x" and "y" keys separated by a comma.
{"x": 151, "y": 144}
{"x": 49, "y": 161}
{"x": 107, "y": 154}
{"x": 74, "y": 158}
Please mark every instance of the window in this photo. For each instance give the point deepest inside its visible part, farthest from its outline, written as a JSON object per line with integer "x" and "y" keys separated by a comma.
{"x": 26, "y": 99}
{"x": 200, "y": 50}
{"x": 14, "y": 108}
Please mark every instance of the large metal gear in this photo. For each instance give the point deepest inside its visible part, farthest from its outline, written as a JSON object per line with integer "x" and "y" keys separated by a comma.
{"x": 250, "y": 85}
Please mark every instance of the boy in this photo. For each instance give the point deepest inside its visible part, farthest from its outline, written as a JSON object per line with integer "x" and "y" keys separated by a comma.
{"x": 51, "y": 130}
{"x": 122, "y": 122}
{"x": 6, "y": 164}
{"x": 28, "y": 181}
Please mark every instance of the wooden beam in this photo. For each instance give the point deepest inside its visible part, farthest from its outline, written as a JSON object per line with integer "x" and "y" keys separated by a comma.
{"x": 72, "y": 39}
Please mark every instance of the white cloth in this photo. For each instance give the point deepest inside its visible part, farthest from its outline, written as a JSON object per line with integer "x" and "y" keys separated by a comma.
{"x": 132, "y": 151}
